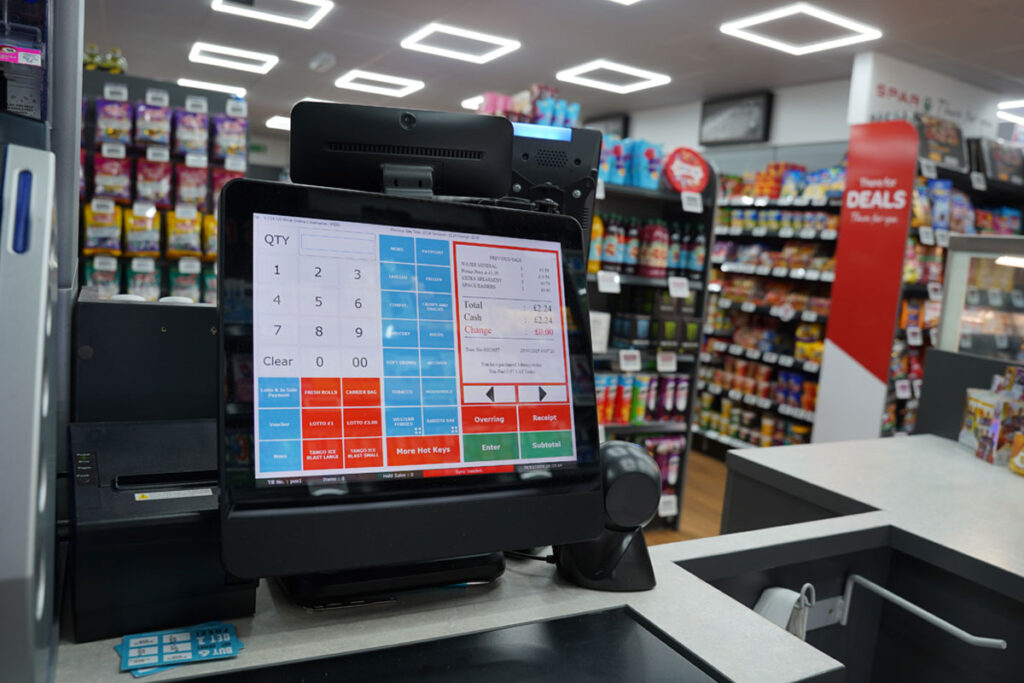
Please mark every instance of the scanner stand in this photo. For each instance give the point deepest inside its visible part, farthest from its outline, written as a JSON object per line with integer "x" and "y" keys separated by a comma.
{"x": 328, "y": 590}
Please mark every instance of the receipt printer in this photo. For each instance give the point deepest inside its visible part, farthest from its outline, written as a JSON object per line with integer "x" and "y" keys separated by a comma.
{"x": 143, "y": 471}
{"x": 146, "y": 543}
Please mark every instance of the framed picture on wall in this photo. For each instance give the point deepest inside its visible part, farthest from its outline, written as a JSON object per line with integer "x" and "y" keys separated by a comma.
{"x": 617, "y": 124}
{"x": 736, "y": 119}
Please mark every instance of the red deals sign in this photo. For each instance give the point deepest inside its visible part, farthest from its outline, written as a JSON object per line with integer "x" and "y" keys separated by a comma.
{"x": 686, "y": 170}
{"x": 872, "y": 240}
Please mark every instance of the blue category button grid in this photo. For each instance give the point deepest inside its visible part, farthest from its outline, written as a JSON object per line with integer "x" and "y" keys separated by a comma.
{"x": 432, "y": 252}
{"x": 403, "y": 421}
{"x": 435, "y": 306}
{"x": 279, "y": 423}
{"x": 398, "y": 305}
{"x": 279, "y": 392}
{"x": 401, "y": 363}
{"x": 437, "y": 363}
{"x": 436, "y": 335}
{"x": 398, "y": 276}
{"x": 434, "y": 279}
{"x": 280, "y": 456}
{"x": 440, "y": 420}
{"x": 439, "y": 391}
{"x": 395, "y": 248}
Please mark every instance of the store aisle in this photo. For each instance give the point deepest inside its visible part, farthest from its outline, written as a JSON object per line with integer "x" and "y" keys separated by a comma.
{"x": 704, "y": 491}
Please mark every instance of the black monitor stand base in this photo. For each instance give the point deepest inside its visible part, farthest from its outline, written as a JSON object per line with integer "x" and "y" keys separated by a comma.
{"x": 356, "y": 586}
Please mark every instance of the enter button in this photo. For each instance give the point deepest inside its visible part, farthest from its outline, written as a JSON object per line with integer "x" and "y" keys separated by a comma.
{"x": 541, "y": 418}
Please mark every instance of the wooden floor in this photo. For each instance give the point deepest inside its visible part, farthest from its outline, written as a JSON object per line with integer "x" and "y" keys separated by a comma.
{"x": 704, "y": 490}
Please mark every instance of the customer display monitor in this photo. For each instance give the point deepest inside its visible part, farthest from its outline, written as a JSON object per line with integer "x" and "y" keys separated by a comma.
{"x": 405, "y": 354}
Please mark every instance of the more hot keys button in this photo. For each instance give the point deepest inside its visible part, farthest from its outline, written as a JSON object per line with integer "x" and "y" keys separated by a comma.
{"x": 483, "y": 419}
{"x": 540, "y": 418}
{"x": 422, "y": 450}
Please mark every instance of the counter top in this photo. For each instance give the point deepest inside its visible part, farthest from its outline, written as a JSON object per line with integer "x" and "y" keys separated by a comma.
{"x": 925, "y": 486}
{"x": 925, "y": 489}
{"x": 708, "y": 623}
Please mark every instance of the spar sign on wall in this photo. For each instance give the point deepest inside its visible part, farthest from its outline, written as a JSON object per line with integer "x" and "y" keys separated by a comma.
{"x": 883, "y": 88}
{"x": 869, "y": 273}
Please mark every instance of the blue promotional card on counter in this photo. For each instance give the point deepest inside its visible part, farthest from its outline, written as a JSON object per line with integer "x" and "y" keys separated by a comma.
{"x": 148, "y": 653}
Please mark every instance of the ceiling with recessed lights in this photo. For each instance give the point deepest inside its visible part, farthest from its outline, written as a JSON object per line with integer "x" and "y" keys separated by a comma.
{"x": 677, "y": 41}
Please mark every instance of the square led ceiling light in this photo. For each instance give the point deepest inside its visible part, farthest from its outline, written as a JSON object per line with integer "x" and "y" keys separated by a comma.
{"x": 498, "y": 46}
{"x": 367, "y": 81}
{"x": 857, "y": 32}
{"x": 232, "y": 58}
{"x": 646, "y": 79}
{"x": 308, "y": 14}
{"x": 1006, "y": 115}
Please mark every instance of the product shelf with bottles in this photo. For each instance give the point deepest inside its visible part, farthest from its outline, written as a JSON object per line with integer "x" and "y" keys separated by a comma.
{"x": 770, "y": 291}
{"x": 647, "y": 285}
{"x": 153, "y": 160}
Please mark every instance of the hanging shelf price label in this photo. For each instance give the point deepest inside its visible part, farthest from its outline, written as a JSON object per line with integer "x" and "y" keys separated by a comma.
{"x": 1002, "y": 342}
{"x": 759, "y": 232}
{"x": 995, "y": 298}
{"x": 770, "y": 357}
{"x": 966, "y": 341}
{"x": 667, "y": 361}
{"x": 914, "y": 336}
{"x": 903, "y": 389}
{"x": 197, "y": 104}
{"x": 786, "y": 233}
{"x": 112, "y": 150}
{"x": 668, "y": 506}
{"x": 916, "y": 384}
{"x": 933, "y": 333}
{"x": 935, "y": 291}
{"x": 157, "y": 98}
{"x": 115, "y": 91}
{"x": 786, "y": 361}
{"x": 926, "y": 235}
{"x": 1017, "y": 298}
{"x": 725, "y": 303}
{"x": 196, "y": 160}
{"x": 942, "y": 238}
{"x": 630, "y": 360}
{"x": 104, "y": 263}
{"x": 189, "y": 266}
{"x": 237, "y": 108}
{"x": 973, "y": 296}
{"x": 143, "y": 265}
{"x": 608, "y": 282}
{"x": 158, "y": 154}
{"x": 678, "y": 287}
{"x": 978, "y": 181}
{"x": 748, "y": 307}
{"x": 928, "y": 169}
{"x": 692, "y": 202}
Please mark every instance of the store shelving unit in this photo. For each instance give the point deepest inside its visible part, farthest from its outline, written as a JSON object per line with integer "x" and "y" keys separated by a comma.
{"x": 94, "y": 84}
{"x": 720, "y": 346}
{"x": 904, "y": 390}
{"x": 668, "y": 206}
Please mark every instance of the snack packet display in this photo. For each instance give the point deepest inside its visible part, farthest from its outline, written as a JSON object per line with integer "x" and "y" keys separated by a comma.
{"x": 220, "y": 177}
{"x": 191, "y": 183}
{"x": 921, "y": 205}
{"x": 102, "y": 231}
{"x": 113, "y": 122}
{"x": 183, "y": 232}
{"x": 142, "y": 230}
{"x": 103, "y": 273}
{"x": 144, "y": 279}
{"x": 153, "y": 182}
{"x": 210, "y": 237}
{"x": 229, "y": 137}
{"x": 152, "y": 125}
{"x": 939, "y": 192}
{"x": 112, "y": 177}
{"x": 191, "y": 132}
{"x": 185, "y": 277}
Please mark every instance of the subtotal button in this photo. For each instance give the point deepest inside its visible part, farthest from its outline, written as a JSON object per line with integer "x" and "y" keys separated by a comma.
{"x": 542, "y": 393}
{"x": 546, "y": 444}
{"x": 488, "y": 394}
